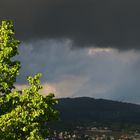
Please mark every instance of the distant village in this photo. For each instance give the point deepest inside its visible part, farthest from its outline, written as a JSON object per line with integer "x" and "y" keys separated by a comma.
{"x": 94, "y": 133}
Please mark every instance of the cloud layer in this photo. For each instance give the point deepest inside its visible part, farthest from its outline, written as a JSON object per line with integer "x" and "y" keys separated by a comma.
{"x": 52, "y": 30}
{"x": 104, "y": 23}
{"x": 95, "y": 72}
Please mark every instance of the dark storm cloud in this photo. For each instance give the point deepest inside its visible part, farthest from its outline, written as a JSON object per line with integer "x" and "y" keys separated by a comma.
{"x": 114, "y": 23}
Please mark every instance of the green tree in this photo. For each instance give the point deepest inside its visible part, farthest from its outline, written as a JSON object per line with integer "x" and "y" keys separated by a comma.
{"x": 8, "y": 48}
{"x": 22, "y": 113}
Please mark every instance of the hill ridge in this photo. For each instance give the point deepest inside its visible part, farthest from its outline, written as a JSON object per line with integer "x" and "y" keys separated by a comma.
{"x": 100, "y": 110}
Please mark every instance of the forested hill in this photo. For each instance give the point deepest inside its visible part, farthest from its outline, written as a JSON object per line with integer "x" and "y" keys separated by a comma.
{"x": 84, "y": 109}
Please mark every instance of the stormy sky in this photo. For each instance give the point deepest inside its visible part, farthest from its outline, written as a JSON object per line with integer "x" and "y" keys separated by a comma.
{"x": 82, "y": 47}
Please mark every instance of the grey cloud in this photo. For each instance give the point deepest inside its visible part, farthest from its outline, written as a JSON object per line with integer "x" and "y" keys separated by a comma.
{"x": 111, "y": 75}
{"x": 128, "y": 85}
{"x": 103, "y": 23}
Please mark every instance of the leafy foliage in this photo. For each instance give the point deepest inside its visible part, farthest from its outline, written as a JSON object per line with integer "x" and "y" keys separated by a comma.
{"x": 22, "y": 113}
{"x": 8, "y": 48}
